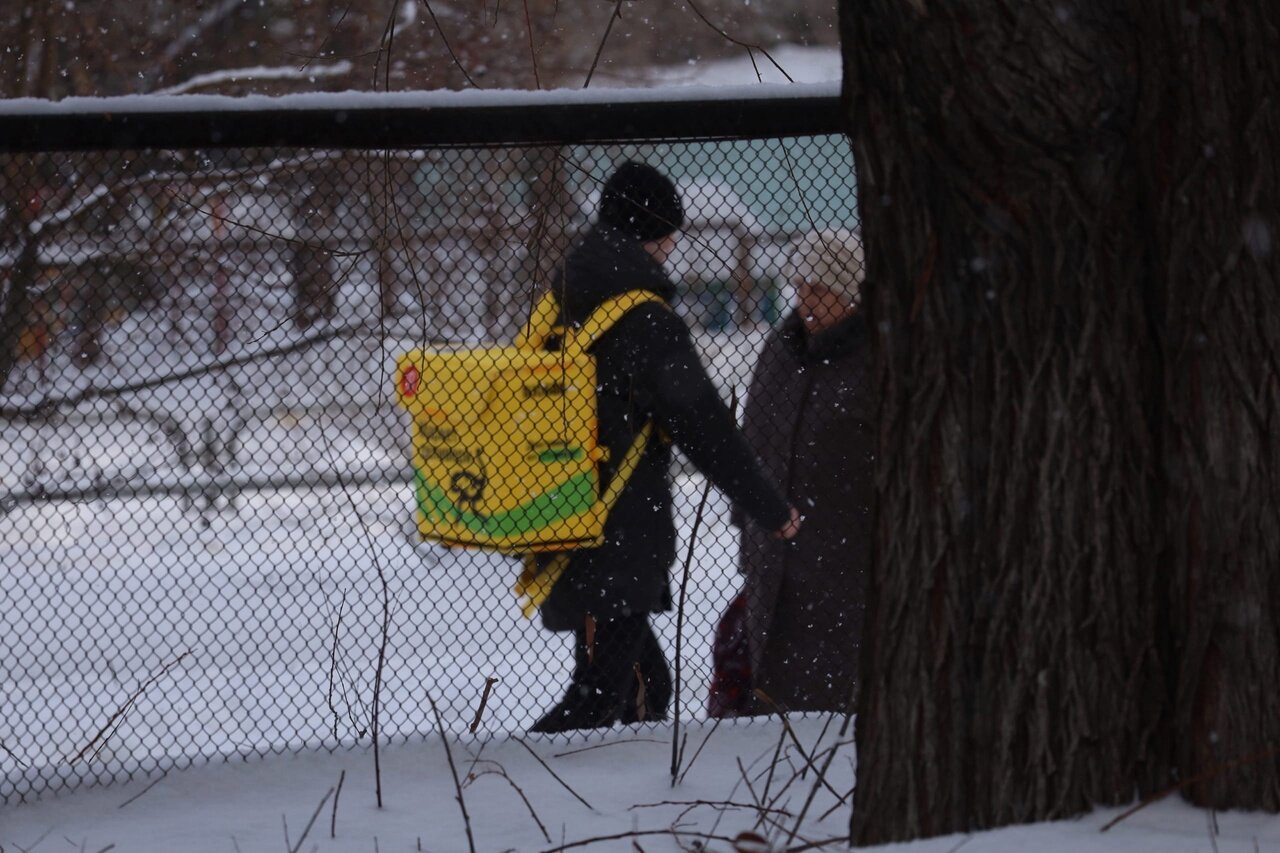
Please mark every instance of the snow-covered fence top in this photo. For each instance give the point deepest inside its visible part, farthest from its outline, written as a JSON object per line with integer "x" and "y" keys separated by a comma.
{"x": 416, "y": 119}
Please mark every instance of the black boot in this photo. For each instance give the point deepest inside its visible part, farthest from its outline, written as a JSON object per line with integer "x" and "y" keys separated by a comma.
{"x": 581, "y": 708}
{"x": 652, "y": 664}
{"x": 603, "y": 685}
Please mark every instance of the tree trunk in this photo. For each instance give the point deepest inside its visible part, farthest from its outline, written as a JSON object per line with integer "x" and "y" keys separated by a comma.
{"x": 550, "y": 209}
{"x": 15, "y": 303}
{"x": 1211, "y": 140}
{"x": 315, "y": 296}
{"x": 19, "y": 201}
{"x": 1010, "y": 668}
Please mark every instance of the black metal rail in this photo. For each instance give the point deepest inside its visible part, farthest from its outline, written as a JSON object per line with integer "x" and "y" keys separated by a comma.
{"x": 136, "y": 124}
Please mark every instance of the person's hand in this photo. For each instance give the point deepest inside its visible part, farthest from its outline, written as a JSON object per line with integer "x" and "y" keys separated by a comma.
{"x": 792, "y": 527}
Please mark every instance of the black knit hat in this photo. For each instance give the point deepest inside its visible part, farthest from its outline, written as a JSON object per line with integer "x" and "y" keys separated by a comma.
{"x": 641, "y": 202}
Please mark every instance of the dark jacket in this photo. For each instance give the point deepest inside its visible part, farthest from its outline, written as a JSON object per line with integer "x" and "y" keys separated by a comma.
{"x": 648, "y": 369}
{"x": 808, "y": 418}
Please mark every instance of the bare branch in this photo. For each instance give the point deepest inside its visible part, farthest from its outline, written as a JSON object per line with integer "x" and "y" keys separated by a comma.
{"x": 306, "y": 829}
{"x": 750, "y": 48}
{"x": 453, "y": 770}
{"x": 445, "y": 40}
{"x": 613, "y": 16}
{"x": 99, "y": 740}
{"x": 554, "y": 775}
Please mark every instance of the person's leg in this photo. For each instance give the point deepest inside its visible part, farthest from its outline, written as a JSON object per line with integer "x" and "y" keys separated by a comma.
{"x": 601, "y": 677}
{"x": 657, "y": 681}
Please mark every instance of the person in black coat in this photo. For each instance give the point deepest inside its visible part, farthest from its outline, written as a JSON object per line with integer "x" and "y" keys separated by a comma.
{"x": 648, "y": 370}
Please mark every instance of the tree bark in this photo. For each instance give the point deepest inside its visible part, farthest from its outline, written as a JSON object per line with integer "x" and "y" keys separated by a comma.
{"x": 1211, "y": 134}
{"x": 1010, "y": 671}
{"x": 315, "y": 297}
{"x": 19, "y": 194}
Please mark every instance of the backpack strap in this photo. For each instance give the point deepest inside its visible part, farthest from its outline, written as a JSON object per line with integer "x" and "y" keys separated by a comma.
{"x": 542, "y": 322}
{"x": 609, "y": 312}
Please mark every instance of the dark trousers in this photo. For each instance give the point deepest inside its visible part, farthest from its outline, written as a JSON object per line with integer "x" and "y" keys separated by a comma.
{"x": 625, "y": 654}
{"x": 622, "y": 671}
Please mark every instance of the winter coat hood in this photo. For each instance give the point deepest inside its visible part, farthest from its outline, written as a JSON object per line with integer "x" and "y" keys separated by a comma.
{"x": 607, "y": 263}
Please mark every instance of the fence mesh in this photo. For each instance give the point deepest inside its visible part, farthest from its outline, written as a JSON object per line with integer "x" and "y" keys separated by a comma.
{"x": 209, "y": 511}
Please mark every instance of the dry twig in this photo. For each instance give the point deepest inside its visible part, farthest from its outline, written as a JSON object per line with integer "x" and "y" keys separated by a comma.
{"x": 499, "y": 770}
{"x": 484, "y": 700}
{"x": 306, "y": 829}
{"x": 114, "y": 721}
{"x": 554, "y": 775}
{"x": 333, "y": 817}
{"x": 603, "y": 745}
{"x": 1186, "y": 783}
{"x": 453, "y": 770}
{"x": 638, "y": 833}
{"x": 676, "y": 747}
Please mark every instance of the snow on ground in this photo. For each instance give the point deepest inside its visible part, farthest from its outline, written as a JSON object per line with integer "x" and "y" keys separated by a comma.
{"x": 615, "y": 789}
{"x": 272, "y": 613}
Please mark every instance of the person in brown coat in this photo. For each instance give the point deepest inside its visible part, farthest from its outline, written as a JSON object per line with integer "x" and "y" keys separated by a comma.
{"x": 808, "y": 418}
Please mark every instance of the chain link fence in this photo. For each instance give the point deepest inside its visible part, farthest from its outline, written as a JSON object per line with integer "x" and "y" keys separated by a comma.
{"x": 208, "y": 545}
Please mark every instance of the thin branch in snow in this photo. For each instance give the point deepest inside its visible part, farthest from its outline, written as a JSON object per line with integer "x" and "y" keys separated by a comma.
{"x": 333, "y": 662}
{"x": 768, "y": 783}
{"x": 831, "y": 754}
{"x": 385, "y": 45}
{"x": 258, "y": 72}
{"x": 375, "y": 711}
{"x": 701, "y": 746}
{"x": 640, "y": 833}
{"x": 9, "y": 752}
{"x": 306, "y": 829}
{"x": 333, "y": 817}
{"x": 715, "y": 804}
{"x": 677, "y": 747}
{"x": 453, "y": 770}
{"x": 746, "y": 779}
{"x": 788, "y": 730}
{"x": 603, "y": 745}
{"x": 1193, "y": 780}
{"x": 818, "y": 845}
{"x": 143, "y": 791}
{"x": 499, "y": 770}
{"x": 113, "y": 722}
{"x": 553, "y": 773}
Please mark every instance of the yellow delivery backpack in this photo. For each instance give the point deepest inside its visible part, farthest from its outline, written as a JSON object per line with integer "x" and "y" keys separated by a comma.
{"x": 506, "y": 452}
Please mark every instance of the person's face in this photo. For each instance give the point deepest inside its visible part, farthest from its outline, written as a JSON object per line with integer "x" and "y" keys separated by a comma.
{"x": 661, "y": 249}
{"x": 820, "y": 306}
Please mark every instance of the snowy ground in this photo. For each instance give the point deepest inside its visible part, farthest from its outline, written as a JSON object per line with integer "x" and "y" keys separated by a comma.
{"x": 616, "y": 790}
{"x": 270, "y": 619}
{"x": 258, "y": 603}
